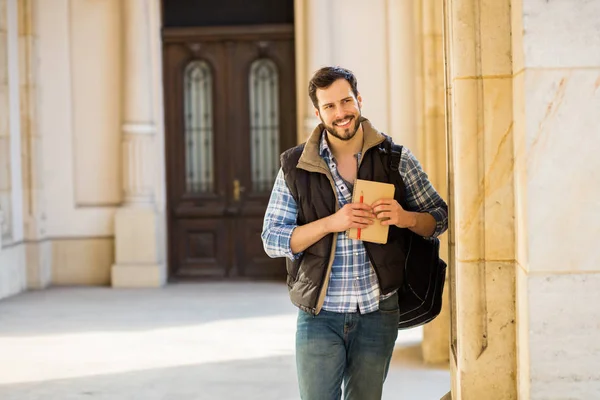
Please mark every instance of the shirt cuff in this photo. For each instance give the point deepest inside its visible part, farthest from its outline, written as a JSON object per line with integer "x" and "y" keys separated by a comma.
{"x": 441, "y": 221}
{"x": 285, "y": 242}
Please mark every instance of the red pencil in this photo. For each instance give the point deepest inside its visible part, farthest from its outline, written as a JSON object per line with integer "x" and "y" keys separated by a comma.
{"x": 358, "y": 231}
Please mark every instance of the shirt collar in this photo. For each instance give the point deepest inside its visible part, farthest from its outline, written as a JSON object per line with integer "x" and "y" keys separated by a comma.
{"x": 324, "y": 149}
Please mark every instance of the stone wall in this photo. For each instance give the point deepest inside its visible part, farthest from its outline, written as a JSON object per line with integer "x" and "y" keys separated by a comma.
{"x": 60, "y": 141}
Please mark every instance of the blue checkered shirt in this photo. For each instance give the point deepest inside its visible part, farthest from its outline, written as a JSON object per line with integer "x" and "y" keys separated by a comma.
{"x": 353, "y": 284}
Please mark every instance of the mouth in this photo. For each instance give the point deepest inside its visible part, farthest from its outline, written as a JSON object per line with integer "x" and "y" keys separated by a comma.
{"x": 344, "y": 123}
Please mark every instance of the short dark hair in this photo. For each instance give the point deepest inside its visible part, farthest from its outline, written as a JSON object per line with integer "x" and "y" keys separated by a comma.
{"x": 325, "y": 76}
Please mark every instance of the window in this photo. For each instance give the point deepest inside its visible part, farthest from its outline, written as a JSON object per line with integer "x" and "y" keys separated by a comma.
{"x": 199, "y": 128}
{"x": 264, "y": 123}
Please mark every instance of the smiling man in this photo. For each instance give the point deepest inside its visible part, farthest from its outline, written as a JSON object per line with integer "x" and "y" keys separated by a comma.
{"x": 346, "y": 290}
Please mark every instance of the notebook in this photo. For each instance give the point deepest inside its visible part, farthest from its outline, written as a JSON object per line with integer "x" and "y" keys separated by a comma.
{"x": 370, "y": 192}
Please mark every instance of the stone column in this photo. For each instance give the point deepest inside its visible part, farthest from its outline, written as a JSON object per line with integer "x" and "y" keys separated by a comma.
{"x": 38, "y": 253}
{"x": 139, "y": 222}
{"x": 11, "y": 173}
{"x": 300, "y": 38}
{"x": 316, "y": 52}
{"x": 5, "y": 170}
{"x": 556, "y": 47}
{"x": 431, "y": 133}
{"x": 482, "y": 199}
{"x": 400, "y": 101}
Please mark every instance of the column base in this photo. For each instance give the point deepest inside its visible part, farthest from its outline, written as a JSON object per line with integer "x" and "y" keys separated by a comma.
{"x": 436, "y": 334}
{"x": 137, "y": 276}
{"x": 139, "y": 244}
{"x": 38, "y": 256}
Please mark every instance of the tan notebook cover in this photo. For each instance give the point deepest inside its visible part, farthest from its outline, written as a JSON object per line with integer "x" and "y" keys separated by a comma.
{"x": 371, "y": 192}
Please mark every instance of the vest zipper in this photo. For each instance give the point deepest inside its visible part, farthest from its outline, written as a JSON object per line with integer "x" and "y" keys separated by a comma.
{"x": 322, "y": 294}
{"x": 323, "y": 287}
{"x": 366, "y": 247}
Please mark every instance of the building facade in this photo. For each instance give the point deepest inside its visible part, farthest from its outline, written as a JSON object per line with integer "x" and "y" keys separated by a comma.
{"x": 104, "y": 178}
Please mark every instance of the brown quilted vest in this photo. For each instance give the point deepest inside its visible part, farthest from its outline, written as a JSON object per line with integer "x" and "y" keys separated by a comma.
{"x": 312, "y": 186}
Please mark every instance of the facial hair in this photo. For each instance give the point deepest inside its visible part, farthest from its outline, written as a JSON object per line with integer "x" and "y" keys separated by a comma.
{"x": 348, "y": 132}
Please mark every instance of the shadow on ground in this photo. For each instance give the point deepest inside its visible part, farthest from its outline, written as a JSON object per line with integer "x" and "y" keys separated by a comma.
{"x": 260, "y": 379}
{"x": 85, "y": 309}
{"x": 208, "y": 341}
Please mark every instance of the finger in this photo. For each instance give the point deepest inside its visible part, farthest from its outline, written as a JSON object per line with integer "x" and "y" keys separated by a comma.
{"x": 361, "y": 206}
{"x": 382, "y": 201}
{"x": 358, "y": 225}
{"x": 381, "y": 208}
{"x": 365, "y": 221}
{"x": 360, "y": 213}
{"x": 363, "y": 218}
{"x": 385, "y": 214}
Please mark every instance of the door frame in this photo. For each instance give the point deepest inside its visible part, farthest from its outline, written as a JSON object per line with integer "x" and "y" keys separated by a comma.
{"x": 219, "y": 33}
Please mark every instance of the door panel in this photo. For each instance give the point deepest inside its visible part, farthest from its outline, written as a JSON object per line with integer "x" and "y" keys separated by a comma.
{"x": 258, "y": 162}
{"x": 230, "y": 111}
{"x": 250, "y": 256}
{"x": 198, "y": 177}
{"x": 203, "y": 246}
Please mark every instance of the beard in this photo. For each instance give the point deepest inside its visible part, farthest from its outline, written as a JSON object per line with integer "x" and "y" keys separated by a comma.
{"x": 344, "y": 134}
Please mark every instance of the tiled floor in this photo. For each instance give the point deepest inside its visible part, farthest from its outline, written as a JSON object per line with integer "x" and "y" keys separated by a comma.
{"x": 184, "y": 341}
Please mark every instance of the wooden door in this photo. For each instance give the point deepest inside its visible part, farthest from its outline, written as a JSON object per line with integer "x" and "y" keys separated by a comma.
{"x": 230, "y": 111}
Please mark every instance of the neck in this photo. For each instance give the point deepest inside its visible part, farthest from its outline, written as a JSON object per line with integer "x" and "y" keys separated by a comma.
{"x": 342, "y": 148}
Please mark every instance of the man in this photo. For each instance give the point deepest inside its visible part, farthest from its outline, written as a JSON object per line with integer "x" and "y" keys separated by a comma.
{"x": 345, "y": 289}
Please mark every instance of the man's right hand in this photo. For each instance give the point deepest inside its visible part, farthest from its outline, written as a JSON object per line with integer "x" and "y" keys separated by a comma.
{"x": 352, "y": 215}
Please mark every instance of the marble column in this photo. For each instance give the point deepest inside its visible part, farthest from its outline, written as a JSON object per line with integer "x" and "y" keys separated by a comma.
{"x": 479, "y": 76}
{"x": 432, "y": 148}
{"x": 139, "y": 222}
{"x": 38, "y": 252}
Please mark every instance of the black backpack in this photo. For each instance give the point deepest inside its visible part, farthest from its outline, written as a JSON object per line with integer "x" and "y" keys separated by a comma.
{"x": 420, "y": 297}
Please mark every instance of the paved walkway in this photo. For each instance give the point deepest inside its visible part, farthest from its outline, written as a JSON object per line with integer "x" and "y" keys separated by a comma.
{"x": 185, "y": 341}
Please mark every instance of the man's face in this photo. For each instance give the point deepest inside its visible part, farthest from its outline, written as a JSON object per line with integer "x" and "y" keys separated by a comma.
{"x": 339, "y": 110}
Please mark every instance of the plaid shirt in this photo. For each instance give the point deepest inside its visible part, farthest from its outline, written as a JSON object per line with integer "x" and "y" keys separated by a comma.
{"x": 353, "y": 283}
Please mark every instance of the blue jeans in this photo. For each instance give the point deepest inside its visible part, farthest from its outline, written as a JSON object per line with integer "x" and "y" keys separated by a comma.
{"x": 354, "y": 349}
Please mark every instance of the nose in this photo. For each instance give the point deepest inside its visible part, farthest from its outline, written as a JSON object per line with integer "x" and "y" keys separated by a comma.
{"x": 339, "y": 113}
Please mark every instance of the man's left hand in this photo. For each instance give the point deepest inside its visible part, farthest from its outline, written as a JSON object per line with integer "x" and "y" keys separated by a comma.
{"x": 389, "y": 212}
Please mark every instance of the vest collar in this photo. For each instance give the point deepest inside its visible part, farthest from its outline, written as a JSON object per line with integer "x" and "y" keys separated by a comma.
{"x": 311, "y": 159}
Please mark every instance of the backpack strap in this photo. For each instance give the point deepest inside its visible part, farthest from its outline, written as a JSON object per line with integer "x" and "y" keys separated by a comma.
{"x": 396, "y": 154}
{"x": 391, "y": 154}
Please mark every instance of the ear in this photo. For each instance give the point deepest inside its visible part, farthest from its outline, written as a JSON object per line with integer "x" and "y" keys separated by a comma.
{"x": 317, "y": 112}
{"x": 359, "y": 99}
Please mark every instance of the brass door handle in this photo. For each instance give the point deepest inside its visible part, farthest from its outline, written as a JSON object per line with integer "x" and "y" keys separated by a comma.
{"x": 237, "y": 189}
